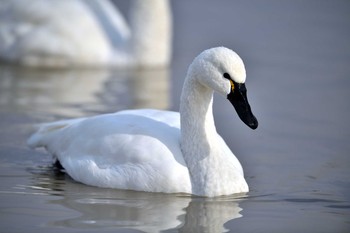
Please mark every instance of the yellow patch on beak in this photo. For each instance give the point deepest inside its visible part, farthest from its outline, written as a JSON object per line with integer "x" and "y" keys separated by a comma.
{"x": 232, "y": 86}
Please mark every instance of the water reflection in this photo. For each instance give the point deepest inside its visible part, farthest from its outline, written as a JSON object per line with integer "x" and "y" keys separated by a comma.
{"x": 122, "y": 209}
{"x": 98, "y": 208}
{"x": 151, "y": 88}
{"x": 80, "y": 92}
{"x": 210, "y": 215}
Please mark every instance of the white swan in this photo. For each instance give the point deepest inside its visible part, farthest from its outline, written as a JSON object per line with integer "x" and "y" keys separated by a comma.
{"x": 146, "y": 150}
{"x": 64, "y": 33}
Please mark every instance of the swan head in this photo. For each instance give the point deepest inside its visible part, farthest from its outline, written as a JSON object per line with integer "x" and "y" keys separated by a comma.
{"x": 222, "y": 70}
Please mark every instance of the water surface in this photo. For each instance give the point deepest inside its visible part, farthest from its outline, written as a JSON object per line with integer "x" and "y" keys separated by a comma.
{"x": 296, "y": 163}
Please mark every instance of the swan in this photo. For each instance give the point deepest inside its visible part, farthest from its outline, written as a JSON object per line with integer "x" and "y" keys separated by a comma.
{"x": 66, "y": 33}
{"x": 147, "y": 150}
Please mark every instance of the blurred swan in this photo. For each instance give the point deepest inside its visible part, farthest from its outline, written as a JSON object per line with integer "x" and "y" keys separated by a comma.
{"x": 146, "y": 150}
{"x": 64, "y": 33}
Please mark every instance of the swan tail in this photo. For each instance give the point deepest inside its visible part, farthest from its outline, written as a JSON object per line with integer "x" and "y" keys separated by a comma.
{"x": 44, "y": 132}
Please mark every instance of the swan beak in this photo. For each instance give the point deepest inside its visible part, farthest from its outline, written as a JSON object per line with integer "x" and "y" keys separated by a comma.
{"x": 239, "y": 100}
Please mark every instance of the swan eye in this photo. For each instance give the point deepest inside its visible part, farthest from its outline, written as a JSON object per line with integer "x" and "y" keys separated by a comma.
{"x": 227, "y": 76}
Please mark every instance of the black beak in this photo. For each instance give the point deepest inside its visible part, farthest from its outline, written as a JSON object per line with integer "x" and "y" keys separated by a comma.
{"x": 239, "y": 100}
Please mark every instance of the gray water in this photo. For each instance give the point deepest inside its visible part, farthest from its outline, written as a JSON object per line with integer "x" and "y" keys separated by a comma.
{"x": 297, "y": 163}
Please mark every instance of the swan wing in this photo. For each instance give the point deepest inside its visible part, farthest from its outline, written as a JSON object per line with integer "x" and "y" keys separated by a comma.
{"x": 129, "y": 150}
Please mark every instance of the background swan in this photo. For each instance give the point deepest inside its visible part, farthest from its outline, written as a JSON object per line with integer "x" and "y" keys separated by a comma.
{"x": 62, "y": 33}
{"x": 146, "y": 150}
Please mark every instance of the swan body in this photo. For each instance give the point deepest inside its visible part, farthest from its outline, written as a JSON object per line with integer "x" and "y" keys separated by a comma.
{"x": 155, "y": 150}
{"x": 64, "y": 33}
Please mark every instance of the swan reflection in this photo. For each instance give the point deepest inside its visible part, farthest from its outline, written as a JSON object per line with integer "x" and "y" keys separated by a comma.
{"x": 123, "y": 209}
{"x": 99, "y": 208}
{"x": 81, "y": 92}
{"x": 209, "y": 215}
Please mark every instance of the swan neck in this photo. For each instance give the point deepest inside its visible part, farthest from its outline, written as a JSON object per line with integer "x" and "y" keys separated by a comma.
{"x": 151, "y": 32}
{"x": 213, "y": 169}
{"x": 197, "y": 122}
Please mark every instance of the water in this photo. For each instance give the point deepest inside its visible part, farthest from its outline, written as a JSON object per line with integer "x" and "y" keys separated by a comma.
{"x": 296, "y": 163}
